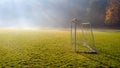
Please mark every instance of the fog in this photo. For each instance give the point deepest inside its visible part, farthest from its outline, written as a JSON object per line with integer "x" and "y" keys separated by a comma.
{"x": 39, "y": 13}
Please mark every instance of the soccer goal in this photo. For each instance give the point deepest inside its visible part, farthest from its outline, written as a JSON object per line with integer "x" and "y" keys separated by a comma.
{"x": 87, "y": 36}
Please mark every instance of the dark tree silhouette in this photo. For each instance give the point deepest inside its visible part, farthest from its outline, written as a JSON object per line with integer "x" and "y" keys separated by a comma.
{"x": 96, "y": 12}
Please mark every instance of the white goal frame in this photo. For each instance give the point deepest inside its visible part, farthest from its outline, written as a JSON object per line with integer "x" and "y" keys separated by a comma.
{"x": 76, "y": 22}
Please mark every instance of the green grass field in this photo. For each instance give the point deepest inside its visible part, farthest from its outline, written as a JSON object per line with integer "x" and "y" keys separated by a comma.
{"x": 52, "y": 49}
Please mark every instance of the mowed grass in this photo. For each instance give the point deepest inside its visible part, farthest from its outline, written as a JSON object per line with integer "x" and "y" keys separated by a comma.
{"x": 52, "y": 49}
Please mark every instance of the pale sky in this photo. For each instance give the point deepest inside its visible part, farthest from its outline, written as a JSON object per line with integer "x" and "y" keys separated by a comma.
{"x": 37, "y": 13}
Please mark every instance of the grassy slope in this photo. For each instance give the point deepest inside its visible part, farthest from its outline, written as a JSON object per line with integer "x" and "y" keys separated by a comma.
{"x": 51, "y": 48}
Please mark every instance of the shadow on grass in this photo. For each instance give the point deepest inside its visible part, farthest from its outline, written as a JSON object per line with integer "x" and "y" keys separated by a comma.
{"x": 95, "y": 59}
{"x": 91, "y": 58}
{"x": 78, "y": 52}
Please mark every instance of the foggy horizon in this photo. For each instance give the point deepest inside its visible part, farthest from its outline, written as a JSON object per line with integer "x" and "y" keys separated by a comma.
{"x": 39, "y": 13}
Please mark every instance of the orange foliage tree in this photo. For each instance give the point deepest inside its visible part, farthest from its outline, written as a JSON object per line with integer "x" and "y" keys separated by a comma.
{"x": 113, "y": 12}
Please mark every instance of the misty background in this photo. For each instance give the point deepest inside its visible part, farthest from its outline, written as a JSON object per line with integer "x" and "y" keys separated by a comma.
{"x": 50, "y": 13}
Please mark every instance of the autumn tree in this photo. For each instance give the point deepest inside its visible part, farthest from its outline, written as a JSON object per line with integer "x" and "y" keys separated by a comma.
{"x": 113, "y": 13}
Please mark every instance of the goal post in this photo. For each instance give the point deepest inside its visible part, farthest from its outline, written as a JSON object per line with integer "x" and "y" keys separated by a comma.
{"x": 74, "y": 22}
{"x": 84, "y": 32}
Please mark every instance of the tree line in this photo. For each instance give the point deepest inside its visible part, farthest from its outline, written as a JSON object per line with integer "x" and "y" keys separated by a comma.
{"x": 104, "y": 13}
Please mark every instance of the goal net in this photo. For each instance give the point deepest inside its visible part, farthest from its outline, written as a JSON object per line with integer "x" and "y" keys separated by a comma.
{"x": 88, "y": 37}
{"x": 83, "y": 38}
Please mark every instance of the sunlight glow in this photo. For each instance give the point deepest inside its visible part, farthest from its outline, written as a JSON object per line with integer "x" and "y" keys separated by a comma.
{"x": 36, "y": 13}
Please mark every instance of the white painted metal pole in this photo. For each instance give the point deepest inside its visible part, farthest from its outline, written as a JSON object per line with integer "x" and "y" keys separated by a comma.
{"x": 83, "y": 37}
{"x": 92, "y": 37}
{"x": 75, "y": 37}
{"x": 71, "y": 34}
